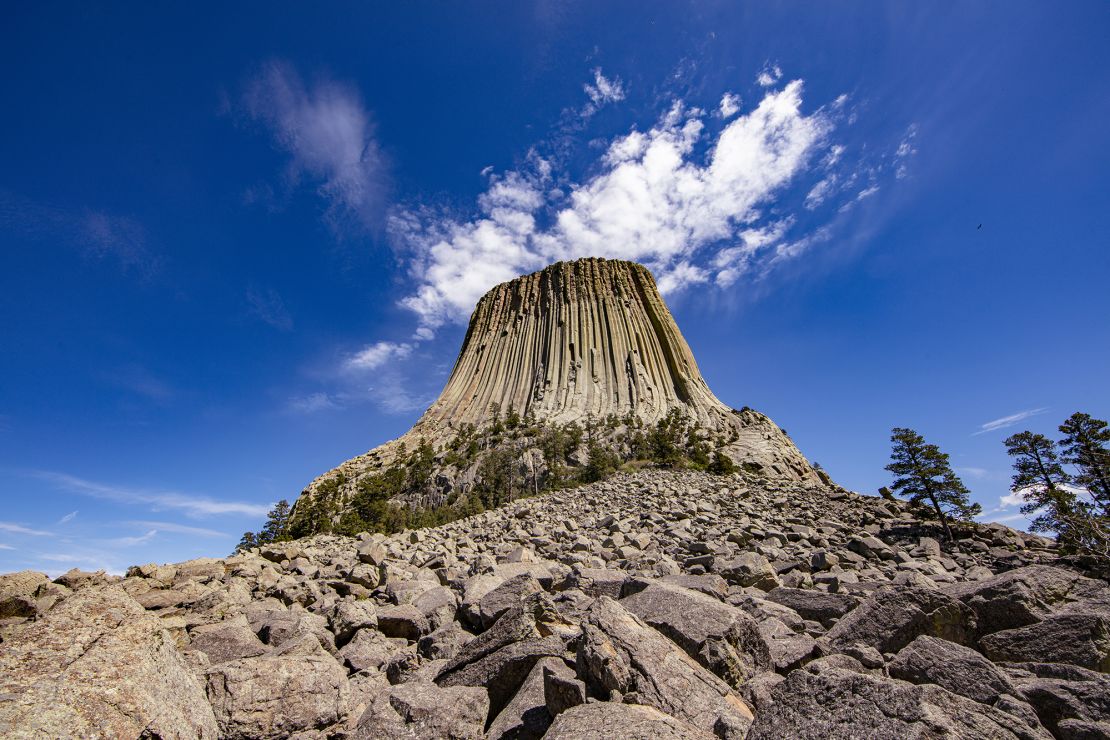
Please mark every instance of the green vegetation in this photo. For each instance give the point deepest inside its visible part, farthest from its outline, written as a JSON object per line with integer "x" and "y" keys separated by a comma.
{"x": 513, "y": 457}
{"x": 925, "y": 477}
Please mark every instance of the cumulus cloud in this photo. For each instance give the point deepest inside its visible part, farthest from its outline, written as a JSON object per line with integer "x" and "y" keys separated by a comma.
{"x": 769, "y": 75}
{"x": 329, "y": 137}
{"x": 1008, "y": 421}
{"x": 602, "y": 91}
{"x": 729, "y": 106}
{"x": 664, "y": 196}
{"x": 377, "y": 354}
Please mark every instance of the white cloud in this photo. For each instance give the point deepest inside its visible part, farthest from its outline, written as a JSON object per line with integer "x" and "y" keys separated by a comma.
{"x": 603, "y": 90}
{"x": 12, "y": 528}
{"x": 867, "y": 192}
{"x": 191, "y": 505}
{"x": 377, "y": 354}
{"x": 668, "y": 197}
{"x": 133, "y": 541}
{"x": 68, "y": 518}
{"x": 329, "y": 136}
{"x": 179, "y": 528}
{"x": 729, "y": 106}
{"x": 769, "y": 75}
{"x": 6, "y": 547}
{"x": 312, "y": 403}
{"x": 1009, "y": 421}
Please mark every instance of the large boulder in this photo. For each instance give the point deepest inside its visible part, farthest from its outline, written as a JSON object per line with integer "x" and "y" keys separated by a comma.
{"x": 1079, "y": 639}
{"x": 750, "y": 569}
{"x": 1057, "y": 701}
{"x": 891, "y": 619}
{"x": 18, "y": 593}
{"x": 420, "y": 710}
{"x": 619, "y": 652}
{"x": 721, "y": 637}
{"x": 838, "y": 704}
{"x": 230, "y": 639}
{"x": 954, "y": 667}
{"x": 526, "y": 716}
{"x": 98, "y": 666}
{"x": 1026, "y": 596}
{"x": 820, "y": 606}
{"x": 501, "y": 658}
{"x": 297, "y": 687}
{"x": 607, "y": 720}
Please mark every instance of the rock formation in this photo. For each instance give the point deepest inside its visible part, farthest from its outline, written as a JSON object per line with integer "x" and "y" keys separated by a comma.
{"x": 583, "y": 341}
{"x": 673, "y": 604}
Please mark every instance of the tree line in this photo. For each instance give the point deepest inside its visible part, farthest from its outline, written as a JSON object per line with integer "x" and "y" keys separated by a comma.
{"x": 1073, "y": 505}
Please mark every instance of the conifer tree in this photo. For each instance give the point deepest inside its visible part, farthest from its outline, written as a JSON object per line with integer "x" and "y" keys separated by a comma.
{"x": 277, "y": 521}
{"x": 1085, "y": 446}
{"x": 924, "y": 476}
{"x": 1041, "y": 479}
{"x": 250, "y": 539}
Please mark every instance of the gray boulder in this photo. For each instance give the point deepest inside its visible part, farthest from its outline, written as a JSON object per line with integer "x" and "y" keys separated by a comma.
{"x": 954, "y": 667}
{"x": 98, "y": 666}
{"x": 227, "y": 640}
{"x": 836, "y": 704}
{"x": 420, "y": 710}
{"x": 298, "y": 687}
{"x": 506, "y": 596}
{"x": 526, "y": 716}
{"x": 348, "y": 617}
{"x": 18, "y": 591}
{"x": 721, "y": 637}
{"x": 891, "y": 619}
{"x": 608, "y": 720}
{"x": 1025, "y": 596}
{"x": 403, "y": 621}
{"x": 1058, "y": 701}
{"x": 819, "y": 606}
{"x": 750, "y": 569}
{"x": 1079, "y": 639}
{"x": 619, "y": 652}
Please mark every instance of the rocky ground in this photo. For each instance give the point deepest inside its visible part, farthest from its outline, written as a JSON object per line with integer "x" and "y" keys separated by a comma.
{"x": 663, "y": 604}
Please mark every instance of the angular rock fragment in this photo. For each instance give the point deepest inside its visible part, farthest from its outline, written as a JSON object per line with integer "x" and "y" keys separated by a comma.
{"x": 1079, "y": 639}
{"x": 608, "y": 720}
{"x": 954, "y": 667}
{"x": 893, "y": 617}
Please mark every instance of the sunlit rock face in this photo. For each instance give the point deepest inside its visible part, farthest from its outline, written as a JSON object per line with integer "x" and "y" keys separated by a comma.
{"x": 582, "y": 342}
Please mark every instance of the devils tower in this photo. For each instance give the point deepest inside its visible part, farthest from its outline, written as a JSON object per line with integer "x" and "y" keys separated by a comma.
{"x": 588, "y": 342}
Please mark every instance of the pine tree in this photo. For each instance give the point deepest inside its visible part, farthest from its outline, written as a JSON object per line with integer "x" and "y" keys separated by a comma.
{"x": 1041, "y": 479}
{"x": 277, "y": 522}
{"x": 1085, "y": 446}
{"x": 250, "y": 539}
{"x": 924, "y": 475}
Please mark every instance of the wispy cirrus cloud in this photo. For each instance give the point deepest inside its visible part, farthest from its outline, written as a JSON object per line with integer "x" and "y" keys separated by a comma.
{"x": 266, "y": 305}
{"x": 329, "y": 137}
{"x": 191, "y": 505}
{"x": 68, "y": 518}
{"x": 1008, "y": 421}
{"x": 98, "y": 234}
{"x": 13, "y": 528}
{"x": 178, "y": 528}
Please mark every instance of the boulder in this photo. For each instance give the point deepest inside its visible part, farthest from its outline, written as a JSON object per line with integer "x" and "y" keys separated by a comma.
{"x": 1079, "y": 639}
{"x": 819, "y": 606}
{"x": 502, "y": 657}
{"x": 1025, "y": 596}
{"x": 297, "y": 687}
{"x": 619, "y": 652}
{"x": 599, "y": 581}
{"x": 608, "y": 720}
{"x": 750, "y": 569}
{"x": 506, "y": 596}
{"x": 420, "y": 710}
{"x": 18, "y": 593}
{"x": 721, "y": 637}
{"x": 1056, "y": 701}
{"x": 348, "y": 617}
{"x": 230, "y": 639}
{"x": 526, "y": 716}
{"x": 837, "y": 704}
{"x": 369, "y": 650}
{"x": 98, "y": 666}
{"x": 954, "y": 667}
{"x": 403, "y": 621}
{"x": 891, "y": 619}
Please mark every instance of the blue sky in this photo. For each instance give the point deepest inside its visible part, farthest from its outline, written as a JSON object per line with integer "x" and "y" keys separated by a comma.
{"x": 239, "y": 245}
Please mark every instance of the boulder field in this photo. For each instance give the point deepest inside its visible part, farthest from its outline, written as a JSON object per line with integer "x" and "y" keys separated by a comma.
{"x": 651, "y": 605}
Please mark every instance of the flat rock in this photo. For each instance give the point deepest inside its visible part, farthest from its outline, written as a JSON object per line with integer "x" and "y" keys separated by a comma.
{"x": 891, "y": 619}
{"x": 819, "y": 606}
{"x": 1079, "y": 639}
{"x": 954, "y": 667}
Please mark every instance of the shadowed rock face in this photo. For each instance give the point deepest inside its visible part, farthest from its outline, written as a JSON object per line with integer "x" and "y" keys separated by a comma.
{"x": 578, "y": 340}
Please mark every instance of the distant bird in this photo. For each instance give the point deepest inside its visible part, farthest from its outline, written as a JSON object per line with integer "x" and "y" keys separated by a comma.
{"x": 979, "y": 227}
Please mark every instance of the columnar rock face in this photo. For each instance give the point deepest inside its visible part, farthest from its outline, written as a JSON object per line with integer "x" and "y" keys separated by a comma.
{"x": 591, "y": 337}
{"x": 578, "y": 341}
